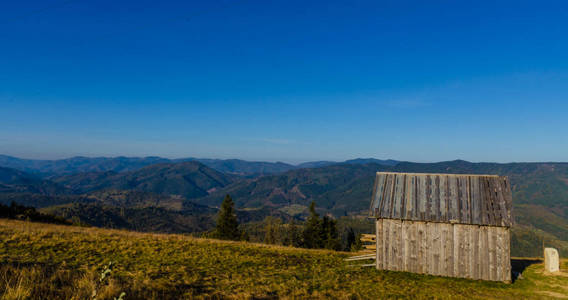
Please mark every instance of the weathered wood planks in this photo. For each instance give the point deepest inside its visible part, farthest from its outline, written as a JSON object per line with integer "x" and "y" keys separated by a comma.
{"x": 454, "y": 198}
{"x": 444, "y": 249}
{"x": 379, "y": 241}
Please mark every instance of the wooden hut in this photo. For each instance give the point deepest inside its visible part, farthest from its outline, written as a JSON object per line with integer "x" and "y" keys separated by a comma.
{"x": 443, "y": 224}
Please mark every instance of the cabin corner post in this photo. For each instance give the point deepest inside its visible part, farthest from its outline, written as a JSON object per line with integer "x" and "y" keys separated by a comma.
{"x": 507, "y": 269}
{"x": 378, "y": 245}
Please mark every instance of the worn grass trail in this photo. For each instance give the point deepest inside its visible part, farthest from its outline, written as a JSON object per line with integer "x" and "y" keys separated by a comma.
{"x": 42, "y": 261}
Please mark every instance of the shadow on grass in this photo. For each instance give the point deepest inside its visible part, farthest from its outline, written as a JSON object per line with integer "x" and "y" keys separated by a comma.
{"x": 518, "y": 266}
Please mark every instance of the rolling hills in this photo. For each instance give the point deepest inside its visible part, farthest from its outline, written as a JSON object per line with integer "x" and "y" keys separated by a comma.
{"x": 180, "y": 191}
{"x": 243, "y": 167}
{"x": 80, "y": 164}
{"x": 186, "y": 179}
{"x": 14, "y": 181}
{"x": 341, "y": 188}
{"x": 119, "y": 164}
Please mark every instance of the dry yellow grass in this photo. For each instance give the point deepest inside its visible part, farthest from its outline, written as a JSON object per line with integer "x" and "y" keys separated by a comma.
{"x": 40, "y": 261}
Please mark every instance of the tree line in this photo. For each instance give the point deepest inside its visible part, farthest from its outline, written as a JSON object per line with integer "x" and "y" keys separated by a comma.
{"x": 28, "y": 213}
{"x": 316, "y": 232}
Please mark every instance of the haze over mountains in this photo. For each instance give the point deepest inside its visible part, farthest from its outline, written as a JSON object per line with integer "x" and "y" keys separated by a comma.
{"x": 81, "y": 164}
{"x": 157, "y": 194}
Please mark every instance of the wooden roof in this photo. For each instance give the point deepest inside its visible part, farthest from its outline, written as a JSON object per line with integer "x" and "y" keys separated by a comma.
{"x": 449, "y": 198}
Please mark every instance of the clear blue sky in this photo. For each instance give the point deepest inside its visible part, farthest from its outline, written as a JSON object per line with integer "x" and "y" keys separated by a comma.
{"x": 285, "y": 80}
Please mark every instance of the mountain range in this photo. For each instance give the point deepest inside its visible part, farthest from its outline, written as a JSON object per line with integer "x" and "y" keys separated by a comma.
{"x": 80, "y": 164}
{"x": 155, "y": 194}
{"x": 188, "y": 179}
{"x": 16, "y": 181}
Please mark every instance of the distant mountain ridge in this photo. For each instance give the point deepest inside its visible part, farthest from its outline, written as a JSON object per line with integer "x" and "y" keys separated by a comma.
{"x": 80, "y": 164}
{"x": 242, "y": 167}
{"x": 189, "y": 179}
{"x": 15, "y": 181}
{"x": 362, "y": 161}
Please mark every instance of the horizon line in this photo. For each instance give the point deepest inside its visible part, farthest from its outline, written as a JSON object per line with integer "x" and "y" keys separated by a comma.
{"x": 275, "y": 161}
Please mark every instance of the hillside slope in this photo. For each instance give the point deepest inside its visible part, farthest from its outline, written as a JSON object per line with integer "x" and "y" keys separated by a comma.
{"x": 340, "y": 188}
{"x": 243, "y": 167}
{"x": 144, "y": 219}
{"x": 65, "y": 261}
{"x": 186, "y": 179}
{"x": 15, "y": 181}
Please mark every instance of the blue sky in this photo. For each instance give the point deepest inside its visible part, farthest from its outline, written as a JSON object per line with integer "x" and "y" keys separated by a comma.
{"x": 285, "y": 80}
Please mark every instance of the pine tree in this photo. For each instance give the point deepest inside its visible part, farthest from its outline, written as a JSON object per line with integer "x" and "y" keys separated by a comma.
{"x": 350, "y": 239}
{"x": 271, "y": 229}
{"x": 293, "y": 235}
{"x": 330, "y": 234}
{"x": 312, "y": 234}
{"x": 357, "y": 245}
{"x": 227, "y": 224}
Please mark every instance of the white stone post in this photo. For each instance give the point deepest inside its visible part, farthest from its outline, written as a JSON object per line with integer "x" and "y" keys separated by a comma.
{"x": 551, "y": 260}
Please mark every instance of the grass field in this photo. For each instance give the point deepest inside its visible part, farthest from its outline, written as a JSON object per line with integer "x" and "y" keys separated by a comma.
{"x": 40, "y": 261}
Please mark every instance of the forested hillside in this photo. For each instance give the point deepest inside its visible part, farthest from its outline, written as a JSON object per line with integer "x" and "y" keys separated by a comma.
{"x": 184, "y": 196}
{"x": 14, "y": 181}
{"x": 186, "y": 179}
{"x": 341, "y": 189}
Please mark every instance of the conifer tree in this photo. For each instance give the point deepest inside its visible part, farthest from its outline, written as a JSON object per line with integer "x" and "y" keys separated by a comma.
{"x": 357, "y": 245}
{"x": 330, "y": 234}
{"x": 350, "y": 239}
{"x": 227, "y": 224}
{"x": 271, "y": 229}
{"x": 312, "y": 234}
{"x": 293, "y": 235}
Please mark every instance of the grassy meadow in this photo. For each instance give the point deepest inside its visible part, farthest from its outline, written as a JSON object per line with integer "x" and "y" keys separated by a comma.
{"x": 40, "y": 261}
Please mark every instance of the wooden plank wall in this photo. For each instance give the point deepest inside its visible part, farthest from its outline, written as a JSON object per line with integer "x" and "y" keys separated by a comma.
{"x": 455, "y": 250}
{"x": 454, "y": 198}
